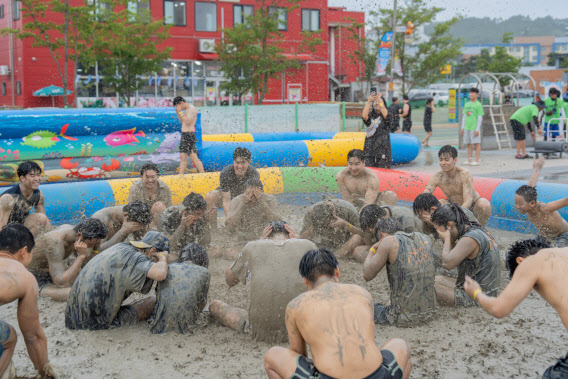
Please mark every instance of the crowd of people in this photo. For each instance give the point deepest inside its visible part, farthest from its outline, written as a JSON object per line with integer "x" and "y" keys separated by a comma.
{"x": 96, "y": 264}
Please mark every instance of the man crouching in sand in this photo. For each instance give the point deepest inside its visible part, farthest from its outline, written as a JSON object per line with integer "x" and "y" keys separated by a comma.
{"x": 17, "y": 283}
{"x": 336, "y": 321}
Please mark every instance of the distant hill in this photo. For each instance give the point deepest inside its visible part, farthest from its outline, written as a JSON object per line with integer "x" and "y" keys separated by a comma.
{"x": 487, "y": 30}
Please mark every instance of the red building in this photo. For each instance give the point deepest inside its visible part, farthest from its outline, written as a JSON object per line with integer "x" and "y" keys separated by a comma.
{"x": 193, "y": 70}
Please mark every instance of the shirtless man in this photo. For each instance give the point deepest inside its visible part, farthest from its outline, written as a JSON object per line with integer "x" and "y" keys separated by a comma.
{"x": 271, "y": 265}
{"x": 336, "y": 321}
{"x": 153, "y": 192}
{"x": 53, "y": 248}
{"x": 248, "y": 215}
{"x": 544, "y": 216}
{"x": 360, "y": 185}
{"x": 232, "y": 181}
{"x": 18, "y": 284}
{"x": 457, "y": 185}
{"x": 187, "y": 115}
{"x": 410, "y": 270}
{"x": 123, "y": 220}
{"x": 17, "y": 201}
{"x": 531, "y": 266}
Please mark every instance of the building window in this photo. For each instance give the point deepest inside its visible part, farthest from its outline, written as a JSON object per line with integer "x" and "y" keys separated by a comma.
{"x": 2, "y": 11}
{"x": 140, "y": 10}
{"x": 18, "y": 88}
{"x": 16, "y": 9}
{"x": 4, "y": 89}
{"x": 175, "y": 13}
{"x": 241, "y": 12}
{"x": 205, "y": 17}
{"x": 310, "y": 20}
{"x": 282, "y": 17}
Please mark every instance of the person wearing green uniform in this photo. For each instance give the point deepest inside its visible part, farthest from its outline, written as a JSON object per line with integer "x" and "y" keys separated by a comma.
{"x": 523, "y": 116}
{"x": 471, "y": 126}
{"x": 552, "y": 113}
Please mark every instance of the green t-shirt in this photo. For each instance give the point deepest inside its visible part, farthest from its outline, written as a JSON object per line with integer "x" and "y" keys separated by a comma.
{"x": 550, "y": 105}
{"x": 525, "y": 114}
{"x": 471, "y": 111}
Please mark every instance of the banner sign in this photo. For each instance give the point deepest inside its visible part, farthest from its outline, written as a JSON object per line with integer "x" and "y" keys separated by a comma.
{"x": 384, "y": 53}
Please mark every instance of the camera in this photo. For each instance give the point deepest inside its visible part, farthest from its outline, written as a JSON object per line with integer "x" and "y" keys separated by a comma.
{"x": 374, "y": 90}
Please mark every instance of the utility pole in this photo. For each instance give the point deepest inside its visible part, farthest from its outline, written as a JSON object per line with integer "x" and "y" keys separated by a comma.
{"x": 393, "y": 49}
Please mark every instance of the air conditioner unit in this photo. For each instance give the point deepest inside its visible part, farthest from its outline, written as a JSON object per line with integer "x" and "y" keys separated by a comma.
{"x": 4, "y": 70}
{"x": 206, "y": 45}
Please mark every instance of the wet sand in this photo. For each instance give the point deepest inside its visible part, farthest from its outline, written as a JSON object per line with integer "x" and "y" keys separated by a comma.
{"x": 461, "y": 343}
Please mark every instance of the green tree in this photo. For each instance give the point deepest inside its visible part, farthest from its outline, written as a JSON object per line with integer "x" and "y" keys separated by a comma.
{"x": 364, "y": 57}
{"x": 420, "y": 61}
{"x": 129, "y": 48}
{"x": 465, "y": 66}
{"x": 251, "y": 52}
{"x": 499, "y": 61}
{"x": 69, "y": 40}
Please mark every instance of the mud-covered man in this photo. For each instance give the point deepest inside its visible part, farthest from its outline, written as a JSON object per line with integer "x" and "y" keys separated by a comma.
{"x": 53, "y": 248}
{"x": 123, "y": 220}
{"x": 457, "y": 185}
{"x": 336, "y": 321}
{"x": 152, "y": 191}
{"x": 17, "y": 201}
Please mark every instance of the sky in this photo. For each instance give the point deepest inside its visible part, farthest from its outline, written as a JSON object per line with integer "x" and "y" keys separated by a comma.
{"x": 476, "y": 8}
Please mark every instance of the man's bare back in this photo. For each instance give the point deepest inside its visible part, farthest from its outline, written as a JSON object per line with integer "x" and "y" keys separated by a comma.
{"x": 549, "y": 224}
{"x": 112, "y": 217}
{"x": 187, "y": 115}
{"x": 336, "y": 321}
{"x": 61, "y": 239}
{"x": 456, "y": 185}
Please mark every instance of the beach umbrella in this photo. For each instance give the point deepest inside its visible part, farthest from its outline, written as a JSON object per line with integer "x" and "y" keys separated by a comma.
{"x": 51, "y": 91}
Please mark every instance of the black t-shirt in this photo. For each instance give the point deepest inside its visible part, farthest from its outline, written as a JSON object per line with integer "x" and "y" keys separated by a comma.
{"x": 103, "y": 284}
{"x": 230, "y": 182}
{"x": 377, "y": 140}
{"x": 428, "y": 117}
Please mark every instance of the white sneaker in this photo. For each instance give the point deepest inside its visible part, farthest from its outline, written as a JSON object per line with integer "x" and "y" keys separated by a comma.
{"x": 466, "y": 162}
{"x": 475, "y": 163}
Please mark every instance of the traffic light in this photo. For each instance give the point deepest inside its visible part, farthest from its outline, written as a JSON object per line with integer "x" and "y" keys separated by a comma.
{"x": 409, "y": 28}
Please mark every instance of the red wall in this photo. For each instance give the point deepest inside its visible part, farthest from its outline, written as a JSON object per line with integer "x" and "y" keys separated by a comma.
{"x": 41, "y": 72}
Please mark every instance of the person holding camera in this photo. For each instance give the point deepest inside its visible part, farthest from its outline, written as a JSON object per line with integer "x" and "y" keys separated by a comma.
{"x": 552, "y": 113}
{"x": 377, "y": 146}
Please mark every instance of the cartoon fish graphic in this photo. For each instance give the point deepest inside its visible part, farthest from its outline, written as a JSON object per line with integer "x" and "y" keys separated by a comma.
{"x": 42, "y": 139}
{"x": 123, "y": 137}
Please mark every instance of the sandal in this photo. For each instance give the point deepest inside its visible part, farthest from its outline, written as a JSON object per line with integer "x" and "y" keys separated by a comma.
{"x": 519, "y": 156}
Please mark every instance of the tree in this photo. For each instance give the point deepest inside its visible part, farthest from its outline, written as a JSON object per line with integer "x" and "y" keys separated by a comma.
{"x": 129, "y": 48}
{"x": 365, "y": 56}
{"x": 421, "y": 62}
{"x": 251, "y": 52}
{"x": 466, "y": 66}
{"x": 558, "y": 59}
{"x": 500, "y": 61}
{"x": 69, "y": 40}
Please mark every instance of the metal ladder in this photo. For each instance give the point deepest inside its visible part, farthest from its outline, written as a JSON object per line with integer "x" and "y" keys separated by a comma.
{"x": 499, "y": 126}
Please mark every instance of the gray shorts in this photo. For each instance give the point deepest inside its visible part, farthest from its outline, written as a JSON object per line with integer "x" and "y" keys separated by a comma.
{"x": 126, "y": 315}
{"x": 560, "y": 240}
{"x": 4, "y": 335}
{"x": 462, "y": 299}
{"x": 381, "y": 314}
{"x": 468, "y": 137}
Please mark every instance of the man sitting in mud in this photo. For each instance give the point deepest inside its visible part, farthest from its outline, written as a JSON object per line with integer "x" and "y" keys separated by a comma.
{"x": 123, "y": 220}
{"x": 457, "y": 185}
{"x": 232, "y": 181}
{"x": 471, "y": 249}
{"x": 17, "y": 201}
{"x": 360, "y": 185}
{"x": 331, "y": 223}
{"x": 18, "y": 284}
{"x": 410, "y": 270}
{"x": 544, "y": 216}
{"x": 359, "y": 244}
{"x": 425, "y": 204}
{"x": 96, "y": 297}
{"x": 532, "y": 265}
{"x": 153, "y": 192}
{"x": 53, "y": 248}
{"x": 336, "y": 321}
{"x": 181, "y": 297}
{"x": 186, "y": 223}
{"x": 249, "y": 214}
{"x": 271, "y": 265}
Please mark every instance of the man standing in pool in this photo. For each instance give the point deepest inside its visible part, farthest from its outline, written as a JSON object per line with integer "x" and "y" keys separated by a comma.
{"x": 187, "y": 115}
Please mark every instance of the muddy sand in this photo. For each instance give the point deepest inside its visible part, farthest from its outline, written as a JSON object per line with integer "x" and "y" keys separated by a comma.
{"x": 461, "y": 343}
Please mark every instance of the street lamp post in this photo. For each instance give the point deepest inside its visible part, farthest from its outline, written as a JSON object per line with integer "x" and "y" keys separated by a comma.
{"x": 393, "y": 49}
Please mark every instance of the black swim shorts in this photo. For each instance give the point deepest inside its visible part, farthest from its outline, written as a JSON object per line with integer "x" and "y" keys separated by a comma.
{"x": 518, "y": 130}
{"x": 389, "y": 369}
{"x": 188, "y": 143}
{"x": 558, "y": 371}
{"x": 4, "y": 335}
{"x": 42, "y": 278}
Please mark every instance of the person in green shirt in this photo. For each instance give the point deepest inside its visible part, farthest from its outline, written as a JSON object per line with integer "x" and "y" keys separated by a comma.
{"x": 552, "y": 113}
{"x": 471, "y": 126}
{"x": 523, "y": 116}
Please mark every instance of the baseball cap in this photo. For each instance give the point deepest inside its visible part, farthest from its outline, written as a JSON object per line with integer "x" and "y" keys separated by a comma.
{"x": 540, "y": 104}
{"x": 153, "y": 239}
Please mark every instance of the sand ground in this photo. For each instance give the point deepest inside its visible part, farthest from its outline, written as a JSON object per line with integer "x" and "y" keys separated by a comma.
{"x": 461, "y": 343}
